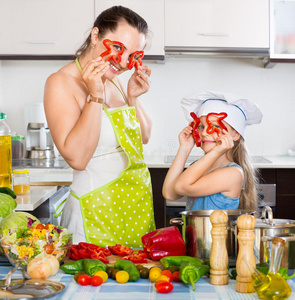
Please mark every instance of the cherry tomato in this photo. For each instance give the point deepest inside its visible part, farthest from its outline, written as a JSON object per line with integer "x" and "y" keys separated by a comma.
{"x": 40, "y": 227}
{"x": 48, "y": 248}
{"x": 47, "y": 226}
{"x": 96, "y": 280}
{"x": 176, "y": 276}
{"x": 159, "y": 282}
{"x": 164, "y": 287}
{"x": 84, "y": 279}
{"x": 168, "y": 274}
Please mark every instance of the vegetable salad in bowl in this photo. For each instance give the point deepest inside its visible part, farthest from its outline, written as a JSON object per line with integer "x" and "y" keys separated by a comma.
{"x": 21, "y": 245}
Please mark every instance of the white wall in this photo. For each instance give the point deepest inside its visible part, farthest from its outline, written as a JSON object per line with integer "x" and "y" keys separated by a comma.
{"x": 272, "y": 89}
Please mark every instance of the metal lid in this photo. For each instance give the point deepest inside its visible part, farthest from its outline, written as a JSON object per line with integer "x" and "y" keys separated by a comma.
{"x": 207, "y": 213}
{"x": 26, "y": 288}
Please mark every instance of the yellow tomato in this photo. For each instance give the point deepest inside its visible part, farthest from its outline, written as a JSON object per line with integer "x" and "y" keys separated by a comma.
{"x": 104, "y": 276}
{"x": 122, "y": 276}
{"x": 154, "y": 274}
{"x": 162, "y": 277}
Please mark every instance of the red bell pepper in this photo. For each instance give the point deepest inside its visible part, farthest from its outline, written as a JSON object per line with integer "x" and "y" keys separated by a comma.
{"x": 87, "y": 250}
{"x": 120, "y": 250}
{"x": 211, "y": 128}
{"x": 137, "y": 258}
{"x": 163, "y": 242}
{"x": 135, "y": 59}
{"x": 115, "y": 53}
{"x": 195, "y": 125}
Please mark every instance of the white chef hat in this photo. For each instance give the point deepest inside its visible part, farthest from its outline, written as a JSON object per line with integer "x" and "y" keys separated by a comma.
{"x": 240, "y": 112}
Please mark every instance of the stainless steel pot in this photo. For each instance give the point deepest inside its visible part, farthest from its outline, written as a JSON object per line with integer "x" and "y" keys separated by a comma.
{"x": 196, "y": 227}
{"x": 266, "y": 229}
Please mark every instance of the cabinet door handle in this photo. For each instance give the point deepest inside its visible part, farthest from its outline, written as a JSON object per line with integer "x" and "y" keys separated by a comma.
{"x": 41, "y": 42}
{"x": 214, "y": 34}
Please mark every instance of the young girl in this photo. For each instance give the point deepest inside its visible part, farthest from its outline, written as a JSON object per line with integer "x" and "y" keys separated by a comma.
{"x": 223, "y": 178}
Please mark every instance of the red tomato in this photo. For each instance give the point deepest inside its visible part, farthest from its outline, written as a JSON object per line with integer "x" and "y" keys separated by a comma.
{"x": 168, "y": 274}
{"x": 159, "y": 282}
{"x": 84, "y": 279}
{"x": 96, "y": 281}
{"x": 40, "y": 227}
{"x": 48, "y": 248}
{"x": 47, "y": 226}
{"x": 176, "y": 276}
{"x": 165, "y": 287}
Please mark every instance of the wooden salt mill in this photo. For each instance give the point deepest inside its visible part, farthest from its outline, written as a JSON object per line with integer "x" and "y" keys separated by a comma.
{"x": 219, "y": 255}
{"x": 246, "y": 236}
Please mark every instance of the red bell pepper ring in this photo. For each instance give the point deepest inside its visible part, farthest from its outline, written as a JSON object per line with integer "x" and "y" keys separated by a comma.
{"x": 85, "y": 250}
{"x": 120, "y": 250}
{"x": 115, "y": 54}
{"x": 83, "y": 253}
{"x": 98, "y": 255}
{"x": 211, "y": 129}
{"x": 195, "y": 124}
{"x": 135, "y": 59}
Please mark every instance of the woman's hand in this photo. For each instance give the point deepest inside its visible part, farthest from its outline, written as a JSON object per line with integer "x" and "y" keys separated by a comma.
{"x": 186, "y": 139}
{"x": 92, "y": 76}
{"x": 224, "y": 142}
{"x": 139, "y": 83}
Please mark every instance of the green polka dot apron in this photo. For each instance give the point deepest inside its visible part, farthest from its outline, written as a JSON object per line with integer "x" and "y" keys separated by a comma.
{"x": 121, "y": 211}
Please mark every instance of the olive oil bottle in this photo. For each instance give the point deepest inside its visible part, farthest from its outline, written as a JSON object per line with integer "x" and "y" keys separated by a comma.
{"x": 5, "y": 154}
{"x": 272, "y": 286}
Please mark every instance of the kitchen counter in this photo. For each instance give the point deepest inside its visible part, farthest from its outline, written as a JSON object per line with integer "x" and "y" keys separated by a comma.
{"x": 37, "y": 196}
{"x": 64, "y": 176}
{"x": 144, "y": 289}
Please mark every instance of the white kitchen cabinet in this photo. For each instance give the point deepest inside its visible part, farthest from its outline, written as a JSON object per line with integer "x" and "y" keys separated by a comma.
{"x": 153, "y": 12}
{"x": 217, "y": 23}
{"x": 44, "y": 27}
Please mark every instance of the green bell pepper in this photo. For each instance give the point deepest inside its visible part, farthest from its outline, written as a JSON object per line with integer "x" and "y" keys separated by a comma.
{"x": 169, "y": 261}
{"x": 90, "y": 266}
{"x": 190, "y": 274}
{"x": 129, "y": 267}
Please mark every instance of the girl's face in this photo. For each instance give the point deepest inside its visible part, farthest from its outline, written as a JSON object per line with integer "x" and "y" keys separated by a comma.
{"x": 131, "y": 39}
{"x": 209, "y": 140}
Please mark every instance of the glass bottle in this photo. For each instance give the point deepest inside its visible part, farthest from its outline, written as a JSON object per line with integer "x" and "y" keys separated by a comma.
{"x": 5, "y": 153}
{"x": 273, "y": 285}
{"x": 21, "y": 182}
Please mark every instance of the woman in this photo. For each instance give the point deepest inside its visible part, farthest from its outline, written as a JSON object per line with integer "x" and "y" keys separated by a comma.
{"x": 223, "y": 178}
{"x": 99, "y": 129}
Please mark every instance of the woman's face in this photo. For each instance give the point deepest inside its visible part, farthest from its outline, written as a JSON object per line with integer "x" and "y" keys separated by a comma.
{"x": 209, "y": 140}
{"x": 131, "y": 39}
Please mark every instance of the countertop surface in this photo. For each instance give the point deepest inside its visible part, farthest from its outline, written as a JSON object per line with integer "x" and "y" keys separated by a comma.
{"x": 37, "y": 196}
{"x": 143, "y": 289}
{"x": 64, "y": 175}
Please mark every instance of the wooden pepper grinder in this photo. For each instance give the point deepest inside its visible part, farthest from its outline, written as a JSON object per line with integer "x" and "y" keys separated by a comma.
{"x": 219, "y": 255}
{"x": 246, "y": 236}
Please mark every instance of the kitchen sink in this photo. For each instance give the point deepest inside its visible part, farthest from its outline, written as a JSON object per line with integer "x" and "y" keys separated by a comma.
{"x": 254, "y": 159}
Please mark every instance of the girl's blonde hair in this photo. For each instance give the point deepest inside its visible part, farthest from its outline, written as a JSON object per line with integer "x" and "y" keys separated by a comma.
{"x": 249, "y": 195}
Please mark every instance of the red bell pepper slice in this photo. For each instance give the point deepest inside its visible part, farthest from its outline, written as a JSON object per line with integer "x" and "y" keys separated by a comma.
{"x": 137, "y": 258}
{"x": 120, "y": 250}
{"x": 135, "y": 59}
{"x": 83, "y": 253}
{"x": 115, "y": 49}
{"x": 211, "y": 129}
{"x": 195, "y": 124}
{"x": 94, "y": 254}
{"x": 85, "y": 250}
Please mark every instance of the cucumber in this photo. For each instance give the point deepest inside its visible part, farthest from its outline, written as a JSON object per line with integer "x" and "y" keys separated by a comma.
{"x": 8, "y": 191}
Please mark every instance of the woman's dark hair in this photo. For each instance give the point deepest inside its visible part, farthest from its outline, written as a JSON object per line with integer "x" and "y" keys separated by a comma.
{"x": 108, "y": 21}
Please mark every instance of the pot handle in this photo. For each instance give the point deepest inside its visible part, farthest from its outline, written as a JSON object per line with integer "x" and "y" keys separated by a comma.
{"x": 287, "y": 238}
{"x": 176, "y": 221}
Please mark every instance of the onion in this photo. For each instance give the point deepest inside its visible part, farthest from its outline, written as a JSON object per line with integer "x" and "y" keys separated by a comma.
{"x": 54, "y": 264}
{"x": 39, "y": 268}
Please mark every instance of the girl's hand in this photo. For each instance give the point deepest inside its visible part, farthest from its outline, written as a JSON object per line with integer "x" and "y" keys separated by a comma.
{"x": 186, "y": 138}
{"x": 139, "y": 83}
{"x": 92, "y": 76}
{"x": 224, "y": 142}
